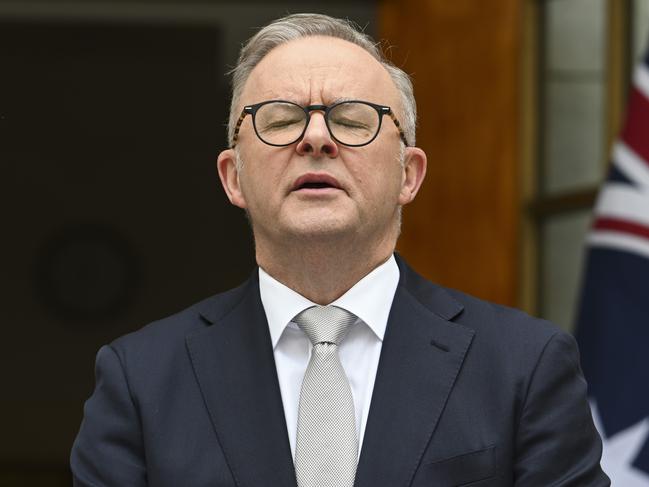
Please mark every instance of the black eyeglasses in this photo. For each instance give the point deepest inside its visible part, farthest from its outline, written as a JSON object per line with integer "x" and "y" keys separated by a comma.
{"x": 353, "y": 123}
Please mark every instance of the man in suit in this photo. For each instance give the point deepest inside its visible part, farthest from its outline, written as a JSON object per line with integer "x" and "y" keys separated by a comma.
{"x": 335, "y": 363}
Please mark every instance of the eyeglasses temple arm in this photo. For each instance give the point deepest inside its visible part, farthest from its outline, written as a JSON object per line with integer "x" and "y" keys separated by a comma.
{"x": 402, "y": 134}
{"x": 235, "y": 137}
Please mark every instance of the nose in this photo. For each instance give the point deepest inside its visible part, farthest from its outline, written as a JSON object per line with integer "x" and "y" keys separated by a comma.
{"x": 317, "y": 140}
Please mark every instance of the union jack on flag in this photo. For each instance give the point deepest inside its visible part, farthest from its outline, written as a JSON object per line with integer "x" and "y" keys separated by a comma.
{"x": 613, "y": 320}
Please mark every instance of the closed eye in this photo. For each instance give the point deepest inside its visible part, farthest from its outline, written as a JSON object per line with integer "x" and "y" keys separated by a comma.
{"x": 352, "y": 124}
{"x": 279, "y": 125}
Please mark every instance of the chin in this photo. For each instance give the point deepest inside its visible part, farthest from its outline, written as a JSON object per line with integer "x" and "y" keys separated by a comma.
{"x": 320, "y": 229}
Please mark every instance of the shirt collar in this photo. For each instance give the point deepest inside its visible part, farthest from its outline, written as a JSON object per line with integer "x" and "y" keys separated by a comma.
{"x": 370, "y": 299}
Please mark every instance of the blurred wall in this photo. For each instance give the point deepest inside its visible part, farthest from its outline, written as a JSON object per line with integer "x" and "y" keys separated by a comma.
{"x": 464, "y": 56}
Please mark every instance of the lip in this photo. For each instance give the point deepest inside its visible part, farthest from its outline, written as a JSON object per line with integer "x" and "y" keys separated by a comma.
{"x": 316, "y": 178}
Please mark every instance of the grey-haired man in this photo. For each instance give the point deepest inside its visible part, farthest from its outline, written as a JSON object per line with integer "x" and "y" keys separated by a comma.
{"x": 335, "y": 363}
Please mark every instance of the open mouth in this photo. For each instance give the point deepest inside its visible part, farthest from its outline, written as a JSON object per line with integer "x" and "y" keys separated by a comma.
{"x": 315, "y": 182}
{"x": 315, "y": 186}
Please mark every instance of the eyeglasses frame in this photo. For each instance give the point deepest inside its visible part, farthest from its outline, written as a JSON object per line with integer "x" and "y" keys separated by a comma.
{"x": 380, "y": 110}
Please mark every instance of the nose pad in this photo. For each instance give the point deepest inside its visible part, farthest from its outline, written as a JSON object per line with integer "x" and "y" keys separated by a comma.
{"x": 317, "y": 140}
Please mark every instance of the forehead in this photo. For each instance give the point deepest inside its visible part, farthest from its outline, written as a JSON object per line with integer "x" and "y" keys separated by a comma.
{"x": 319, "y": 70}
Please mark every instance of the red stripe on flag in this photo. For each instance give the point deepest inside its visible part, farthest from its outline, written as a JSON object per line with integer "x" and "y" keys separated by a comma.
{"x": 623, "y": 226}
{"x": 636, "y": 128}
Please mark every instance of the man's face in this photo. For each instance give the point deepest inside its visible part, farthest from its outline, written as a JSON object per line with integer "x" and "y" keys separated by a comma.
{"x": 363, "y": 187}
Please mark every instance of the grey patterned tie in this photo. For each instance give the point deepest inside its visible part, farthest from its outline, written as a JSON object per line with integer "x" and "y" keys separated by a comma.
{"x": 327, "y": 447}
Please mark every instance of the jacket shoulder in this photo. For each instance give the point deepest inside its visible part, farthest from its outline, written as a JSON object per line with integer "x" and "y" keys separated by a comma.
{"x": 485, "y": 315}
{"x": 171, "y": 330}
{"x": 501, "y": 328}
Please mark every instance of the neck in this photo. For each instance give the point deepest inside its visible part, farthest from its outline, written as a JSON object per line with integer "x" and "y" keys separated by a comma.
{"x": 320, "y": 271}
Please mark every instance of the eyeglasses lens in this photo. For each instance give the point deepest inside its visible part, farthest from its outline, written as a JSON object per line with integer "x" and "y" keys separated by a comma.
{"x": 353, "y": 123}
{"x": 280, "y": 123}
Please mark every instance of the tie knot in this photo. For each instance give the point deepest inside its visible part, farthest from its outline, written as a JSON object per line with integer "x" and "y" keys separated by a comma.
{"x": 325, "y": 324}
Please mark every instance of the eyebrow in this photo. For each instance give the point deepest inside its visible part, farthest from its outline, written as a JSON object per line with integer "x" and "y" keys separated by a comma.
{"x": 340, "y": 100}
{"x": 297, "y": 101}
{"x": 332, "y": 102}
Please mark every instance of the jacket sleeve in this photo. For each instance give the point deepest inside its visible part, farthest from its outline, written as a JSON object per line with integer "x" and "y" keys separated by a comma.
{"x": 556, "y": 441}
{"x": 108, "y": 450}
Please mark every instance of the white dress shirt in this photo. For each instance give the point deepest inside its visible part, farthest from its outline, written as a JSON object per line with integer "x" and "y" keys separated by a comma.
{"x": 370, "y": 300}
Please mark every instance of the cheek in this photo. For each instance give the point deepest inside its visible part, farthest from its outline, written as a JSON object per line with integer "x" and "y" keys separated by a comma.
{"x": 262, "y": 183}
{"x": 382, "y": 180}
{"x": 251, "y": 188}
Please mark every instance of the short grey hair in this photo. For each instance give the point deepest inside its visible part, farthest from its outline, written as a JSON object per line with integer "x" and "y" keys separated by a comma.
{"x": 297, "y": 26}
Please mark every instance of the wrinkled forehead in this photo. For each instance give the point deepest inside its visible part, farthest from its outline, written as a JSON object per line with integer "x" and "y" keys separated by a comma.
{"x": 319, "y": 70}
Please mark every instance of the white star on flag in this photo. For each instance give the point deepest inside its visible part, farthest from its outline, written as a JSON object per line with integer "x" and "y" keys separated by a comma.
{"x": 620, "y": 450}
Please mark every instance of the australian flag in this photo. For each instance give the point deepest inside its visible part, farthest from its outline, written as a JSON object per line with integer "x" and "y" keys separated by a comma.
{"x": 613, "y": 320}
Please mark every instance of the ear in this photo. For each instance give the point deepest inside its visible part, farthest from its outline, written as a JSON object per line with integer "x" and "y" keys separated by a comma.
{"x": 414, "y": 170}
{"x": 229, "y": 174}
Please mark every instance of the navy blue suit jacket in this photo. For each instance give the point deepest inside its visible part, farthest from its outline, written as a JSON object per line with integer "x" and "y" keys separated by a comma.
{"x": 466, "y": 393}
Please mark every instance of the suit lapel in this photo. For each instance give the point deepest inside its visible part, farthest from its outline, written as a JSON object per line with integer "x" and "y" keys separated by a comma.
{"x": 234, "y": 364}
{"x": 421, "y": 356}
